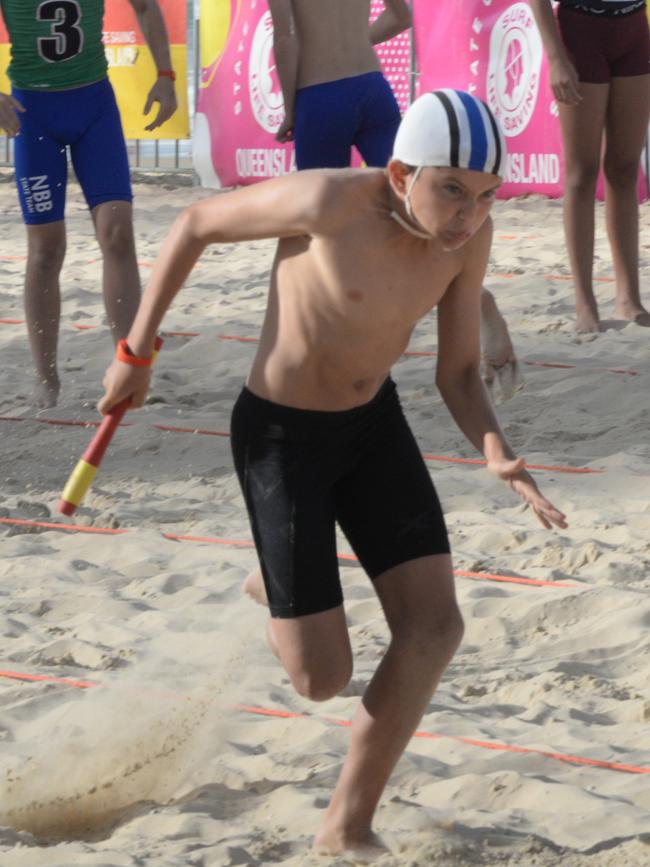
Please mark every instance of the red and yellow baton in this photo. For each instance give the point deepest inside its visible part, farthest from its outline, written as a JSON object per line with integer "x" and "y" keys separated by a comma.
{"x": 81, "y": 478}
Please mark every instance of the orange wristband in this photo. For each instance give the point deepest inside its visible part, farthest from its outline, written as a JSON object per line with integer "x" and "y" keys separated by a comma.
{"x": 167, "y": 73}
{"x": 123, "y": 353}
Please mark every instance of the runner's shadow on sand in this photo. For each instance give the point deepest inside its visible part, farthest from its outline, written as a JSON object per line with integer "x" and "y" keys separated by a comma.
{"x": 614, "y": 324}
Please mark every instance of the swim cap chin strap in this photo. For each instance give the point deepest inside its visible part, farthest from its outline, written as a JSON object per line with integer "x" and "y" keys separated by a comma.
{"x": 418, "y": 233}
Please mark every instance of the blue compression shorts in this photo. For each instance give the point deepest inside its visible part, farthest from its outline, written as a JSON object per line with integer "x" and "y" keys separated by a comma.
{"x": 84, "y": 119}
{"x": 332, "y": 117}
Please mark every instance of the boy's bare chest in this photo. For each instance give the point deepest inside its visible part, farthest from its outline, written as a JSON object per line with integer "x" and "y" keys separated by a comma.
{"x": 369, "y": 280}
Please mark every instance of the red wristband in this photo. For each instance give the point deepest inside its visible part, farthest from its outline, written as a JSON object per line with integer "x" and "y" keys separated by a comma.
{"x": 167, "y": 73}
{"x": 123, "y": 353}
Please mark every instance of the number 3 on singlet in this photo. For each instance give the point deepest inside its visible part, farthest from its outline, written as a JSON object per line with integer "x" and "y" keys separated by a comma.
{"x": 67, "y": 37}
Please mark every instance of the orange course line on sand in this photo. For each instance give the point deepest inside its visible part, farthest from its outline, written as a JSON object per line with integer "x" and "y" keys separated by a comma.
{"x": 142, "y": 264}
{"x": 247, "y": 543}
{"x": 483, "y": 462}
{"x": 219, "y": 433}
{"x": 564, "y": 366}
{"x": 512, "y": 274}
{"x": 285, "y": 714}
{"x": 407, "y": 354}
{"x": 504, "y": 275}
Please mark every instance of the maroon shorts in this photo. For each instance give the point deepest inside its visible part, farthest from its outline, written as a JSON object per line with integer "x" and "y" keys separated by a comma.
{"x": 604, "y": 47}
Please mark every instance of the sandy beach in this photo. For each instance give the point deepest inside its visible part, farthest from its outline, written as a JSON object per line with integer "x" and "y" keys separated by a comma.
{"x": 165, "y": 733}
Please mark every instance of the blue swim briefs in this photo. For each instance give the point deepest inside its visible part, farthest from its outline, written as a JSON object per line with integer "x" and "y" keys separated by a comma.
{"x": 332, "y": 117}
{"x": 84, "y": 120}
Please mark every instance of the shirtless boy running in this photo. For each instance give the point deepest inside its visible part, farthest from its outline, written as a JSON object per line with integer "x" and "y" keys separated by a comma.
{"x": 318, "y": 434}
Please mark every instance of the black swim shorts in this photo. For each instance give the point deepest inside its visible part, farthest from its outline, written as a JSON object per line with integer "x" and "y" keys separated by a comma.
{"x": 302, "y": 471}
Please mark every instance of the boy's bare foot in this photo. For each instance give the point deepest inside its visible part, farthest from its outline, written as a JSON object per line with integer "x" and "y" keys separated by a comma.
{"x": 587, "y": 321}
{"x": 633, "y": 313}
{"x": 45, "y": 392}
{"x": 364, "y": 847}
{"x": 254, "y": 586}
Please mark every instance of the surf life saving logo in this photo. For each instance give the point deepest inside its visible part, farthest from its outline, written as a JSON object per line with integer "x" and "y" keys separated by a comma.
{"x": 514, "y": 68}
{"x": 263, "y": 83}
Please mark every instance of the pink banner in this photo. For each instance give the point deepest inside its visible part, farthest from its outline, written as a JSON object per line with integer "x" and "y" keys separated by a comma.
{"x": 489, "y": 47}
{"x": 240, "y": 102}
{"x": 240, "y": 105}
{"x": 495, "y": 50}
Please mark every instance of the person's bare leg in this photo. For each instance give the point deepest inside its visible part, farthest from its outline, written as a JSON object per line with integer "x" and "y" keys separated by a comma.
{"x": 316, "y": 654}
{"x": 625, "y": 132}
{"x": 426, "y": 627}
{"x": 45, "y": 254}
{"x": 121, "y": 281}
{"x": 582, "y": 134}
{"x": 314, "y": 650}
{"x": 499, "y": 359}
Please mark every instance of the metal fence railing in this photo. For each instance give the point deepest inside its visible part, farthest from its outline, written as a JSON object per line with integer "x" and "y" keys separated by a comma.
{"x": 6, "y": 151}
{"x": 160, "y": 155}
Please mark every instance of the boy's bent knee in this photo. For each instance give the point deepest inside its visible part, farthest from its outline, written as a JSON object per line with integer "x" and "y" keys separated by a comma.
{"x": 452, "y": 629}
{"x": 315, "y": 652}
{"x": 448, "y": 629}
{"x": 322, "y": 685}
{"x": 439, "y": 630}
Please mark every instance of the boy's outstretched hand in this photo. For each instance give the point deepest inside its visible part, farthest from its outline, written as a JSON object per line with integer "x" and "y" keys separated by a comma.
{"x": 123, "y": 381}
{"x": 513, "y": 472}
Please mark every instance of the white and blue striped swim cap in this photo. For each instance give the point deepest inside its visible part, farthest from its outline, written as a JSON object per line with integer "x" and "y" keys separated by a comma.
{"x": 451, "y": 128}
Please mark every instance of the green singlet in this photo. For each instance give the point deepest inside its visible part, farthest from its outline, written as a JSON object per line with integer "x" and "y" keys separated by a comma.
{"x": 55, "y": 44}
